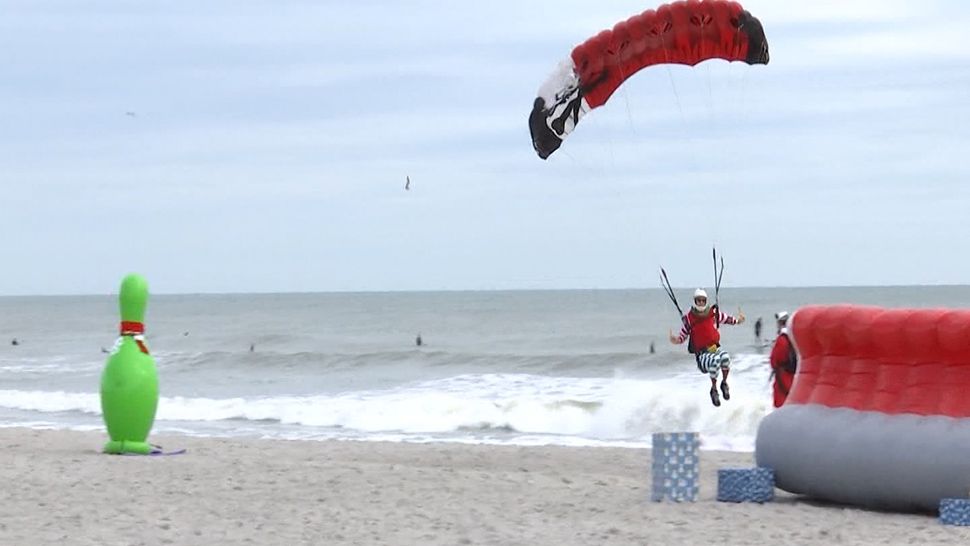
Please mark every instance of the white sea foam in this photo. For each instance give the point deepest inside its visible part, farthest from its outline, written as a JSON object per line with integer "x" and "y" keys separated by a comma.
{"x": 506, "y": 408}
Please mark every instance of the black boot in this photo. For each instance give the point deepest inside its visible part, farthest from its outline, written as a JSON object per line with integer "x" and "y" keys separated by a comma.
{"x": 725, "y": 390}
{"x": 714, "y": 398}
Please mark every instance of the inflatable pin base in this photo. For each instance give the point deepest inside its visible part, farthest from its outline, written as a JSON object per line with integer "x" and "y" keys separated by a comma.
{"x": 121, "y": 447}
{"x": 129, "y": 396}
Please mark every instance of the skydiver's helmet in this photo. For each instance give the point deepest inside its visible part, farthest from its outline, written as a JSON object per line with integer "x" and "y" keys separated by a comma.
{"x": 700, "y": 300}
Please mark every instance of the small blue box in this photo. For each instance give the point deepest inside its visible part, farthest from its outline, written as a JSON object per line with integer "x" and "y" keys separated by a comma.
{"x": 746, "y": 484}
{"x": 955, "y": 512}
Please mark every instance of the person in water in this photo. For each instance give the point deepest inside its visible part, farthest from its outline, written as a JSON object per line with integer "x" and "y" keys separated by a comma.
{"x": 417, "y": 340}
{"x": 757, "y": 330}
{"x": 783, "y": 360}
{"x": 701, "y": 326}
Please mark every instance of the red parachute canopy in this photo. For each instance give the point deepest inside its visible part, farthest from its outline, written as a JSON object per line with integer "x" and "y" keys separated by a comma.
{"x": 684, "y": 32}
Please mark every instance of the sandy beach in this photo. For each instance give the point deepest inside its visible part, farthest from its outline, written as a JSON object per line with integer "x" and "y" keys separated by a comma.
{"x": 59, "y": 489}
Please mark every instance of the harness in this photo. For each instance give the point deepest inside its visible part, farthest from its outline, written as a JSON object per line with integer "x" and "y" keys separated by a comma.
{"x": 690, "y": 332}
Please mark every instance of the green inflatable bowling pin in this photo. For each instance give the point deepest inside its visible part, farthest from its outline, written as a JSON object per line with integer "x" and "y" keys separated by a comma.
{"x": 129, "y": 383}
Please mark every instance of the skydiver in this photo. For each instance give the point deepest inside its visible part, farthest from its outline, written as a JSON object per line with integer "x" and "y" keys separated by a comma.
{"x": 701, "y": 326}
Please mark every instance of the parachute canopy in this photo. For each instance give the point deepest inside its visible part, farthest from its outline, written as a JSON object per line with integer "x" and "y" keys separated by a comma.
{"x": 684, "y": 32}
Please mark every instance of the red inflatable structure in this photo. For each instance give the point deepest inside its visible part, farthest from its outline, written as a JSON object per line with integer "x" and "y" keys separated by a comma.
{"x": 879, "y": 413}
{"x": 895, "y": 362}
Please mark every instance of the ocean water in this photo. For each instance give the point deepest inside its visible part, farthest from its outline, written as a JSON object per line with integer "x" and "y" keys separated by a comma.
{"x": 516, "y": 367}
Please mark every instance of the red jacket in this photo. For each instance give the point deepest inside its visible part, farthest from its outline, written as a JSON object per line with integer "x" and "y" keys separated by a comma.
{"x": 782, "y": 357}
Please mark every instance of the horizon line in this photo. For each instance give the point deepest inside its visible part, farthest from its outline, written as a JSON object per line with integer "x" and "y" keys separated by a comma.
{"x": 497, "y": 290}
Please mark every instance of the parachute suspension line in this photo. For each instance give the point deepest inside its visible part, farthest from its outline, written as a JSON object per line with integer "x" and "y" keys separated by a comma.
{"x": 629, "y": 112}
{"x": 680, "y": 108}
{"x": 710, "y": 90}
{"x": 626, "y": 96}
{"x": 626, "y": 101}
{"x": 582, "y": 171}
{"x": 670, "y": 75}
{"x": 738, "y": 112}
{"x": 710, "y": 95}
{"x": 738, "y": 115}
{"x": 744, "y": 95}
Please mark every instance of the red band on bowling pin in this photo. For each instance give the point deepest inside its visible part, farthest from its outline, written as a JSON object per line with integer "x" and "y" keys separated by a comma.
{"x": 129, "y": 328}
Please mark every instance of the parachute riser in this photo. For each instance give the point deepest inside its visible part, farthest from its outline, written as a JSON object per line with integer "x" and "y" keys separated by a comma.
{"x": 718, "y": 275}
{"x": 665, "y": 283}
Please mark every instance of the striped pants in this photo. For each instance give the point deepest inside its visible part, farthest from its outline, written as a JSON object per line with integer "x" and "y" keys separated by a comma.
{"x": 710, "y": 362}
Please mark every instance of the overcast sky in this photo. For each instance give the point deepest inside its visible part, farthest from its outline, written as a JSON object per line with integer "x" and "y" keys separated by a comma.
{"x": 270, "y": 141}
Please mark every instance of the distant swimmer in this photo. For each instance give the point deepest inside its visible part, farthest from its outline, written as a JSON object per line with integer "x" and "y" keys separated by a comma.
{"x": 757, "y": 330}
{"x": 417, "y": 340}
{"x": 652, "y": 348}
{"x": 130, "y": 114}
{"x": 103, "y": 350}
{"x": 252, "y": 347}
{"x": 185, "y": 333}
{"x": 15, "y": 342}
{"x": 407, "y": 185}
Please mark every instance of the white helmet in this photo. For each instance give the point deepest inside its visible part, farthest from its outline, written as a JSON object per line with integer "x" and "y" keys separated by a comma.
{"x": 782, "y": 316}
{"x": 700, "y": 293}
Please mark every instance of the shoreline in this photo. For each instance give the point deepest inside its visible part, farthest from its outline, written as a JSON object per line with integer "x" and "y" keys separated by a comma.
{"x": 251, "y": 491}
